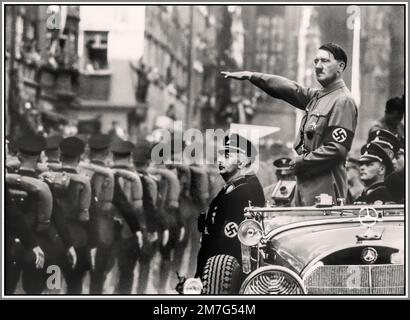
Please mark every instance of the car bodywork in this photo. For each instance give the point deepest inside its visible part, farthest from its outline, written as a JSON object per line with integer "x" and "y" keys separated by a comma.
{"x": 327, "y": 250}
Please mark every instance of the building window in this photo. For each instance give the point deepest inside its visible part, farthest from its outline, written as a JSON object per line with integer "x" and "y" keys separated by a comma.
{"x": 96, "y": 49}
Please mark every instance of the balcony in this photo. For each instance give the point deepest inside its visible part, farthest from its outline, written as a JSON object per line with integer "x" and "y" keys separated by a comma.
{"x": 95, "y": 85}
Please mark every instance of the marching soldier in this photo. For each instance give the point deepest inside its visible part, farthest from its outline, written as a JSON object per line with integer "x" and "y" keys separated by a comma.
{"x": 55, "y": 245}
{"x": 168, "y": 206}
{"x": 142, "y": 159}
{"x": 106, "y": 193}
{"x": 375, "y": 165}
{"x": 219, "y": 226}
{"x": 129, "y": 244}
{"x": 73, "y": 204}
{"x": 19, "y": 239}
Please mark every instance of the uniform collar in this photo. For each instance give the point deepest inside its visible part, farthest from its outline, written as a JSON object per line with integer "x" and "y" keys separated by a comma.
{"x": 374, "y": 186}
{"x": 331, "y": 87}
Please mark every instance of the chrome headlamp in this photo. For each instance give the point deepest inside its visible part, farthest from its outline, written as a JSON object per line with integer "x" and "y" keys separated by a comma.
{"x": 250, "y": 232}
{"x": 273, "y": 280}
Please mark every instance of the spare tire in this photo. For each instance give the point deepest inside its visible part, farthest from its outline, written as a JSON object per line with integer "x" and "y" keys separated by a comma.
{"x": 222, "y": 275}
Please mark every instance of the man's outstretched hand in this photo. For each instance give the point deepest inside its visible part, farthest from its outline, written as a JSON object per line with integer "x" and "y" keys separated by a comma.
{"x": 239, "y": 75}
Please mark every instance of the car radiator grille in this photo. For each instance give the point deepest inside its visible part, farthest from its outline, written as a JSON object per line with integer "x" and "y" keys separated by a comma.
{"x": 356, "y": 280}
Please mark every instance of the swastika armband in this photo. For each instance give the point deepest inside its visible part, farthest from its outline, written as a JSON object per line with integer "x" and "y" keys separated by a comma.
{"x": 339, "y": 135}
{"x": 231, "y": 229}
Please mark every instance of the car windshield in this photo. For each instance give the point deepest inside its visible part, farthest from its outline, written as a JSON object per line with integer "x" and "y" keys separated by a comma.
{"x": 275, "y": 217}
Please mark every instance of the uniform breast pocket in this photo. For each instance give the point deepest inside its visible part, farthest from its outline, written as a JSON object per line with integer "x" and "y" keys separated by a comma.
{"x": 315, "y": 125}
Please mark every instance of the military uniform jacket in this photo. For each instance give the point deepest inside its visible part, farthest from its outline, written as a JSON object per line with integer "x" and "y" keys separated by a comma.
{"x": 226, "y": 212}
{"x": 15, "y": 224}
{"x": 376, "y": 192}
{"x": 149, "y": 201}
{"x": 396, "y": 183}
{"x": 69, "y": 204}
{"x": 324, "y": 138}
{"x": 58, "y": 227}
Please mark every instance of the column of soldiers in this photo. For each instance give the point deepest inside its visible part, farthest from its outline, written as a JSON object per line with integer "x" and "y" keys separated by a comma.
{"x": 95, "y": 204}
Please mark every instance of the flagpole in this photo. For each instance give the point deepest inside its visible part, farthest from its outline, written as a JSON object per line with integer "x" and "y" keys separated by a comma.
{"x": 356, "y": 60}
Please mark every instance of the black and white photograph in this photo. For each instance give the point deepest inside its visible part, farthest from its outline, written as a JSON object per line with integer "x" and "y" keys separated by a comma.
{"x": 194, "y": 150}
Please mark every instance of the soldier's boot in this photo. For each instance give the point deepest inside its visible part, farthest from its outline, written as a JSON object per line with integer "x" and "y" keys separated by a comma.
{"x": 180, "y": 253}
{"x": 165, "y": 268}
{"x": 127, "y": 259}
{"x": 104, "y": 261}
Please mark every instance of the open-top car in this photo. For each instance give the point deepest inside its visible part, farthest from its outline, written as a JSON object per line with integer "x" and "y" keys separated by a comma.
{"x": 321, "y": 250}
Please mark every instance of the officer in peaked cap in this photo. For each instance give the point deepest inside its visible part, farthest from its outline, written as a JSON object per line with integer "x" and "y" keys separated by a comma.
{"x": 219, "y": 226}
{"x": 375, "y": 165}
{"x": 31, "y": 145}
{"x": 387, "y": 140}
{"x": 283, "y": 172}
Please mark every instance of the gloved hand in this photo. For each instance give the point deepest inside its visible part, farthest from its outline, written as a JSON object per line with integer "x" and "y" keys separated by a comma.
{"x": 165, "y": 237}
{"x": 39, "y": 257}
{"x": 93, "y": 255}
{"x": 72, "y": 257}
{"x": 140, "y": 239}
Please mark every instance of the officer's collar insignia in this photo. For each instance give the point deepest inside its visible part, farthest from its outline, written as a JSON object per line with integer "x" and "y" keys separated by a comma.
{"x": 229, "y": 189}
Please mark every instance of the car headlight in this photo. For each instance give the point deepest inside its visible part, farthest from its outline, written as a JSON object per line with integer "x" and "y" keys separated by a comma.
{"x": 273, "y": 280}
{"x": 250, "y": 232}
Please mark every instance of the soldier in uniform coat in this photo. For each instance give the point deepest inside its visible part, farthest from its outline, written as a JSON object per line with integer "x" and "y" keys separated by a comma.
{"x": 375, "y": 165}
{"x": 52, "y": 236}
{"x": 128, "y": 245}
{"x": 219, "y": 226}
{"x": 104, "y": 228}
{"x": 142, "y": 159}
{"x": 73, "y": 204}
{"x": 19, "y": 239}
{"x": 327, "y": 128}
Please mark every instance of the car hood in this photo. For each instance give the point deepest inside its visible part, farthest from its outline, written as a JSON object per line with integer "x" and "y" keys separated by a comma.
{"x": 298, "y": 244}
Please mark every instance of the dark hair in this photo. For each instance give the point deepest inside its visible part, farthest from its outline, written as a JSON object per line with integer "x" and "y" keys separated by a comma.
{"x": 336, "y": 50}
{"x": 395, "y": 104}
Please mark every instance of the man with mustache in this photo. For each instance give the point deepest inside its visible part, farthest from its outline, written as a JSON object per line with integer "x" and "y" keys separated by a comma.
{"x": 327, "y": 128}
